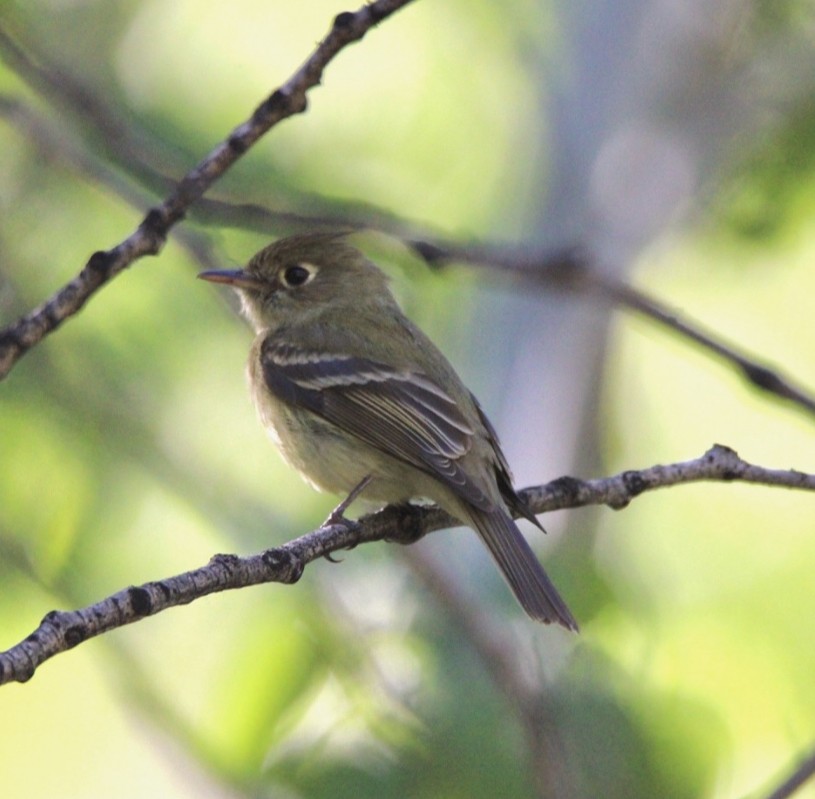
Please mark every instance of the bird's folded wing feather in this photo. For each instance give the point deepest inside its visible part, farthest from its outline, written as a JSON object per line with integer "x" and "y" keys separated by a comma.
{"x": 401, "y": 412}
{"x": 503, "y": 473}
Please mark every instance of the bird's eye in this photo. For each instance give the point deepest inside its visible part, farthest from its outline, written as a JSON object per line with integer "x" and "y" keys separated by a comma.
{"x": 298, "y": 274}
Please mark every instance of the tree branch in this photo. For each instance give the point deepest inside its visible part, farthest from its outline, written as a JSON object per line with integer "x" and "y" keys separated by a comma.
{"x": 567, "y": 268}
{"x": 149, "y": 237}
{"x": 760, "y": 375}
{"x": 802, "y": 774}
{"x": 63, "y": 630}
{"x": 573, "y": 270}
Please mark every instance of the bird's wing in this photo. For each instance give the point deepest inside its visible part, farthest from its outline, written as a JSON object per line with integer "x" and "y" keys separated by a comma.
{"x": 400, "y": 412}
{"x": 503, "y": 473}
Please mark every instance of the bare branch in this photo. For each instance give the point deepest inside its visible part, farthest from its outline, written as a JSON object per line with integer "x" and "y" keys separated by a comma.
{"x": 759, "y": 375}
{"x": 802, "y": 774}
{"x": 149, "y": 237}
{"x": 62, "y": 630}
{"x": 572, "y": 270}
{"x": 718, "y": 463}
{"x": 567, "y": 268}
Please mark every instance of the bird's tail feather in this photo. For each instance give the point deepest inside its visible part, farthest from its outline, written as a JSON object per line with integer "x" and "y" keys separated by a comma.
{"x": 521, "y": 569}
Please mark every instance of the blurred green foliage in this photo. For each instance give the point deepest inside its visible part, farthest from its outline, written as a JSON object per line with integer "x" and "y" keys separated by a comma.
{"x": 767, "y": 192}
{"x": 129, "y": 450}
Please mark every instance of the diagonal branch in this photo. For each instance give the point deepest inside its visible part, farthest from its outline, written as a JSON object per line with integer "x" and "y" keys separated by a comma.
{"x": 63, "y": 630}
{"x": 758, "y": 374}
{"x": 149, "y": 237}
{"x": 567, "y": 268}
{"x": 572, "y": 270}
{"x": 802, "y": 774}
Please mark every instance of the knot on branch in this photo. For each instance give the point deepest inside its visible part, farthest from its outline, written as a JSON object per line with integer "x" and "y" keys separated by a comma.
{"x": 99, "y": 263}
{"x": 154, "y": 227}
{"x": 345, "y": 19}
{"x": 278, "y": 105}
{"x": 764, "y": 378}
{"x": 634, "y": 484}
{"x": 75, "y": 635}
{"x": 566, "y": 489}
{"x": 238, "y": 144}
{"x": 406, "y": 523}
{"x": 226, "y": 565}
{"x": 284, "y": 565}
{"x": 140, "y": 601}
{"x": 727, "y": 461}
{"x": 432, "y": 254}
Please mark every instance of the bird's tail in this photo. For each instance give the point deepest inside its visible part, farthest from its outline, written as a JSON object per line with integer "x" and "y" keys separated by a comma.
{"x": 521, "y": 569}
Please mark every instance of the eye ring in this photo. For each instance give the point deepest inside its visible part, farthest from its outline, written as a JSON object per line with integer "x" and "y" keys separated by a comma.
{"x": 296, "y": 275}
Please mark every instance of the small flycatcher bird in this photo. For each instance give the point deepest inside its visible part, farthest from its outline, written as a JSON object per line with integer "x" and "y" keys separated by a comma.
{"x": 356, "y": 396}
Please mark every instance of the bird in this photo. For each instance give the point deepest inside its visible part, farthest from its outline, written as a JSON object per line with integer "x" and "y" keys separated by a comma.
{"x": 360, "y": 401}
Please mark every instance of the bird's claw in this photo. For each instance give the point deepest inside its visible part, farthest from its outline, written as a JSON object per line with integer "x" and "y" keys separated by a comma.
{"x": 337, "y": 516}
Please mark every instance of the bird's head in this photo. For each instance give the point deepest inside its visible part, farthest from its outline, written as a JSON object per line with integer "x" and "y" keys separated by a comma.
{"x": 301, "y": 276}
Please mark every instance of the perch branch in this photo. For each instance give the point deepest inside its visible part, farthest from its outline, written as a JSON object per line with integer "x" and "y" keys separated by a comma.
{"x": 802, "y": 774}
{"x": 62, "y": 630}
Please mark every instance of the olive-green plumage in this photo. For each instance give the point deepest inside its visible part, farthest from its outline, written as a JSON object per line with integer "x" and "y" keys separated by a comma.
{"x": 349, "y": 388}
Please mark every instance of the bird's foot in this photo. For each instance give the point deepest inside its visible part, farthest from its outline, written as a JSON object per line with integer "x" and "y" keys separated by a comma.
{"x": 337, "y": 516}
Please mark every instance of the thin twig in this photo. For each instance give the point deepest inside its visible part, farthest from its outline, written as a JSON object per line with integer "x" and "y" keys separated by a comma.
{"x": 759, "y": 375}
{"x": 802, "y": 774}
{"x": 573, "y": 270}
{"x": 62, "y": 630}
{"x": 149, "y": 237}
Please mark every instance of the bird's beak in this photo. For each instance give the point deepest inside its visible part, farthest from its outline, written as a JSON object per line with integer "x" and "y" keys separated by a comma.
{"x": 237, "y": 278}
